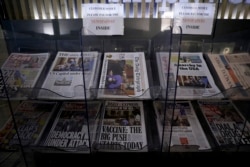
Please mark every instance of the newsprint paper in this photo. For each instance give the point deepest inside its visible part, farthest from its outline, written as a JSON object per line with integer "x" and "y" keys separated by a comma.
{"x": 21, "y": 72}
{"x": 65, "y": 78}
{"x": 233, "y": 72}
{"x": 193, "y": 79}
{"x": 31, "y": 118}
{"x": 70, "y": 131}
{"x": 122, "y": 127}
{"x": 182, "y": 124}
{"x": 124, "y": 76}
{"x": 229, "y": 127}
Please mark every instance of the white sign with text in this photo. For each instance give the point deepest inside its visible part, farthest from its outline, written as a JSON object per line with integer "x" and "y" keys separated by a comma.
{"x": 103, "y": 19}
{"x": 194, "y": 18}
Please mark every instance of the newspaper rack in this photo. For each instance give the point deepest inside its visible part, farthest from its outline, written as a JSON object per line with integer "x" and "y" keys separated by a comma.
{"x": 31, "y": 37}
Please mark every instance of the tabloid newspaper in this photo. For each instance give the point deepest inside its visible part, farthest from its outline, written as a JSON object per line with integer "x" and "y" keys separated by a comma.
{"x": 122, "y": 127}
{"x": 194, "y": 80}
{"x": 227, "y": 124}
{"x": 233, "y": 71}
{"x": 124, "y": 76}
{"x": 20, "y": 72}
{"x": 31, "y": 118}
{"x": 182, "y": 123}
{"x": 65, "y": 77}
{"x": 69, "y": 131}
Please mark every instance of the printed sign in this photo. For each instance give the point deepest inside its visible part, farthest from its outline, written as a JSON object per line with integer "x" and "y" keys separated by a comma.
{"x": 103, "y": 19}
{"x": 194, "y": 18}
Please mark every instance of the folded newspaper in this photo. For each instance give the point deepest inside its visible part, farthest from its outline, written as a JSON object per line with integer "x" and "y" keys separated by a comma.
{"x": 65, "y": 78}
{"x": 191, "y": 80}
{"x": 74, "y": 127}
{"x": 31, "y": 120}
{"x": 124, "y": 76}
{"x": 228, "y": 125}
{"x": 181, "y": 130}
{"x": 233, "y": 73}
{"x": 21, "y": 72}
{"x": 123, "y": 127}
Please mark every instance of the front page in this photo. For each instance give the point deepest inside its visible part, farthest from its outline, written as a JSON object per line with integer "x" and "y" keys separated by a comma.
{"x": 233, "y": 71}
{"x": 123, "y": 127}
{"x": 193, "y": 80}
{"x": 31, "y": 118}
{"x": 70, "y": 131}
{"x": 124, "y": 76}
{"x": 21, "y": 72}
{"x": 181, "y": 125}
{"x": 65, "y": 78}
{"x": 228, "y": 125}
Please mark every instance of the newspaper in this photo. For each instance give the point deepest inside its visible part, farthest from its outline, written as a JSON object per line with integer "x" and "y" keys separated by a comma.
{"x": 228, "y": 125}
{"x": 182, "y": 126}
{"x": 21, "y": 72}
{"x": 124, "y": 76}
{"x": 31, "y": 118}
{"x": 122, "y": 127}
{"x": 70, "y": 131}
{"x": 193, "y": 80}
{"x": 65, "y": 77}
{"x": 233, "y": 71}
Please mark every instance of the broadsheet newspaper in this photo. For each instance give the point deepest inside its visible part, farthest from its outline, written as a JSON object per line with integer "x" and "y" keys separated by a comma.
{"x": 31, "y": 119}
{"x": 124, "y": 76}
{"x": 181, "y": 126}
{"x": 227, "y": 124}
{"x": 194, "y": 80}
{"x": 69, "y": 131}
{"x": 65, "y": 78}
{"x": 233, "y": 71}
{"x": 123, "y": 127}
{"x": 21, "y": 72}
